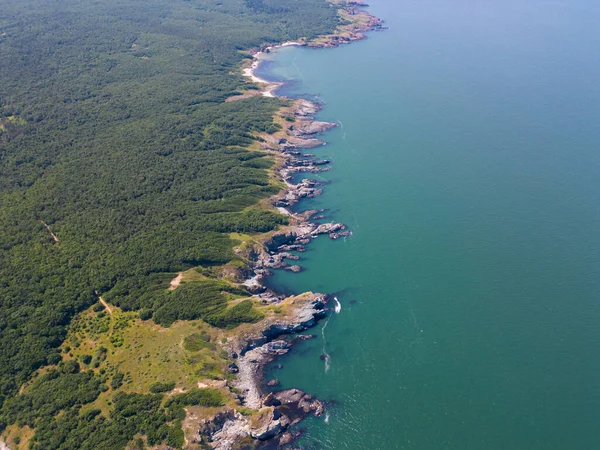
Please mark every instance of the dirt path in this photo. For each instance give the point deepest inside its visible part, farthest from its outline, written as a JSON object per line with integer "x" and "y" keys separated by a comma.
{"x": 175, "y": 282}
{"x": 108, "y": 308}
{"x": 51, "y": 233}
{"x": 109, "y": 311}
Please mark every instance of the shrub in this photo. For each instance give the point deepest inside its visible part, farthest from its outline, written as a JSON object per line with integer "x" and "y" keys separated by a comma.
{"x": 196, "y": 342}
{"x": 70, "y": 366}
{"x": 117, "y": 380}
{"x": 145, "y": 314}
{"x": 158, "y": 387}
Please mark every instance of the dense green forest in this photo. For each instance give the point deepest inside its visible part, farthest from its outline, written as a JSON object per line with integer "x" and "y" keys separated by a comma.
{"x": 120, "y": 164}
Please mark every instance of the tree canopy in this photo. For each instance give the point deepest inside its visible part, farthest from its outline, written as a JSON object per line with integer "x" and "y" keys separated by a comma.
{"x": 120, "y": 164}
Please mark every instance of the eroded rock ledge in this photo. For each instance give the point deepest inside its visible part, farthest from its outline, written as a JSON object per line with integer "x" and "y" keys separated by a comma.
{"x": 230, "y": 429}
{"x": 273, "y": 413}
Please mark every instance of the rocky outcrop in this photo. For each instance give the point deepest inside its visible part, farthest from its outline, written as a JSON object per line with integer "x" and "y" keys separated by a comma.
{"x": 292, "y": 238}
{"x": 306, "y": 108}
{"x": 275, "y": 411}
{"x": 307, "y": 162}
{"x": 357, "y": 3}
{"x": 296, "y": 192}
{"x": 279, "y": 411}
{"x": 310, "y": 127}
{"x": 250, "y": 373}
{"x": 312, "y": 168}
{"x": 305, "y": 315}
{"x": 296, "y": 404}
{"x": 360, "y": 22}
{"x": 301, "y": 143}
{"x": 264, "y": 345}
{"x": 233, "y": 368}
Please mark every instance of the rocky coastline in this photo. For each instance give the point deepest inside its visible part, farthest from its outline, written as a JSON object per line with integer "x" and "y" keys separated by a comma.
{"x": 251, "y": 351}
{"x": 275, "y": 412}
{"x": 358, "y": 21}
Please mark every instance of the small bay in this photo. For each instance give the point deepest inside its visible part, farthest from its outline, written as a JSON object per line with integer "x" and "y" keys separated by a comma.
{"x": 466, "y": 164}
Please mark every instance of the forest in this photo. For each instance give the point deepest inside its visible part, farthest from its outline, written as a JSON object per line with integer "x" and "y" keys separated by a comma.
{"x": 122, "y": 164}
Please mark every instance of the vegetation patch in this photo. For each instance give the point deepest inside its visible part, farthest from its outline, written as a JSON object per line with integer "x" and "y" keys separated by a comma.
{"x": 196, "y": 342}
{"x": 115, "y": 134}
{"x": 53, "y": 392}
{"x": 145, "y": 353}
{"x": 159, "y": 388}
{"x": 243, "y": 312}
{"x": 202, "y": 299}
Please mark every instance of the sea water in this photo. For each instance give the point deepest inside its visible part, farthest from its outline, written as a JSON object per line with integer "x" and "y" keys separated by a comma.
{"x": 466, "y": 163}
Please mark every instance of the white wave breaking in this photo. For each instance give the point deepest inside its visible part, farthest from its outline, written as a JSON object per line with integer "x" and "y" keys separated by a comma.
{"x": 326, "y": 356}
{"x": 338, "y": 306}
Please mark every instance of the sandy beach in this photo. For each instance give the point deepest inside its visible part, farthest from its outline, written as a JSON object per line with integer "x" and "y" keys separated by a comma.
{"x": 270, "y": 86}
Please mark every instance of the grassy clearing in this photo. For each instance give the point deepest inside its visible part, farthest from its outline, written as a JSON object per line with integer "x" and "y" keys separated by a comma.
{"x": 135, "y": 354}
{"x": 241, "y": 237}
{"x": 17, "y": 437}
{"x": 192, "y": 275}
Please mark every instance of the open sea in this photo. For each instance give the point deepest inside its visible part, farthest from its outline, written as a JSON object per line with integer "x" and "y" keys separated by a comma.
{"x": 467, "y": 165}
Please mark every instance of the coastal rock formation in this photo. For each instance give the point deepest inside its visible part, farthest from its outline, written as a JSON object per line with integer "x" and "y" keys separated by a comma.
{"x": 295, "y": 192}
{"x": 279, "y": 411}
{"x": 307, "y": 162}
{"x": 275, "y": 253}
{"x": 297, "y": 404}
{"x": 310, "y": 127}
{"x": 299, "y": 131}
{"x": 359, "y": 20}
{"x": 293, "y": 142}
{"x": 306, "y": 108}
{"x": 263, "y": 345}
{"x": 289, "y": 171}
{"x": 275, "y": 411}
{"x": 250, "y": 370}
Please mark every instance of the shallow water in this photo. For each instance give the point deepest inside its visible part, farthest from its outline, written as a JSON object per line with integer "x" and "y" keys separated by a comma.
{"x": 466, "y": 164}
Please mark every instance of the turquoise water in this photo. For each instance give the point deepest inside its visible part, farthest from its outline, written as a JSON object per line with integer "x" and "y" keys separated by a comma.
{"x": 467, "y": 166}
